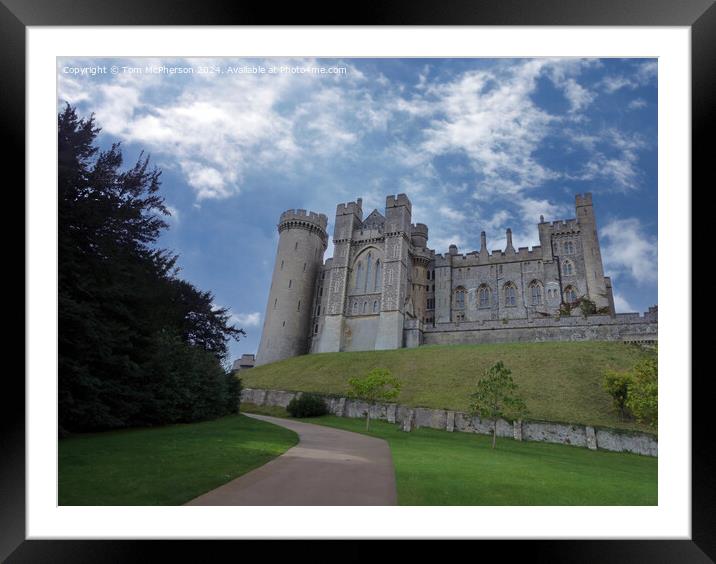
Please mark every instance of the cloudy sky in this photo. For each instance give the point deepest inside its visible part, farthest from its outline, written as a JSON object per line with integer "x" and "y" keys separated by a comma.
{"x": 477, "y": 144}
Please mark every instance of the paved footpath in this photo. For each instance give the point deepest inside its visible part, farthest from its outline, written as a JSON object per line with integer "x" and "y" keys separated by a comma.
{"x": 327, "y": 467}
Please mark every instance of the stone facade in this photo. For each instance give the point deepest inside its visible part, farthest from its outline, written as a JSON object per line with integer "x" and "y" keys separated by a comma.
{"x": 385, "y": 289}
{"x": 409, "y": 418}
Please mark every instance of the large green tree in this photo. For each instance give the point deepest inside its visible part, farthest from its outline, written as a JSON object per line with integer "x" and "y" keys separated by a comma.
{"x": 122, "y": 306}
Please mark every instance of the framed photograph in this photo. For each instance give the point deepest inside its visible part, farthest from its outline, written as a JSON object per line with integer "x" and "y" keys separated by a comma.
{"x": 492, "y": 125}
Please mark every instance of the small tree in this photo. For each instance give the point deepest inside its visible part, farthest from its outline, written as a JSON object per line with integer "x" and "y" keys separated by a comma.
{"x": 643, "y": 396}
{"x": 616, "y": 384}
{"x": 378, "y": 385}
{"x": 496, "y": 396}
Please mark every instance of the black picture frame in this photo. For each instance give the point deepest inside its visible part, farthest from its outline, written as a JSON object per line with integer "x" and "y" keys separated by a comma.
{"x": 16, "y": 15}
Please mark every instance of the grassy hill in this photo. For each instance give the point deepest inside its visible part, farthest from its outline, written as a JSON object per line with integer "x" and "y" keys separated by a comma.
{"x": 559, "y": 381}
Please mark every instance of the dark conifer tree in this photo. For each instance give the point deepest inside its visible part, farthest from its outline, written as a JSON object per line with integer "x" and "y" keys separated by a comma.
{"x": 125, "y": 317}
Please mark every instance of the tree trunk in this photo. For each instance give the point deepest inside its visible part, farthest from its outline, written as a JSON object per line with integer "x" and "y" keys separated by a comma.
{"x": 494, "y": 433}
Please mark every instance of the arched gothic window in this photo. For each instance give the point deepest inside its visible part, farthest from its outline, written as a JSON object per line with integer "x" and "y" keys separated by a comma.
{"x": 367, "y": 273}
{"x": 378, "y": 275}
{"x": 567, "y": 268}
{"x": 483, "y": 296}
{"x": 460, "y": 298}
{"x": 375, "y": 306}
{"x": 359, "y": 275}
{"x": 568, "y": 248}
{"x": 536, "y": 292}
{"x": 570, "y": 295}
{"x": 510, "y": 295}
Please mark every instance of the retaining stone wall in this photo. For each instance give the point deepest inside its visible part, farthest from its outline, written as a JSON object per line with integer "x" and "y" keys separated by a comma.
{"x": 416, "y": 417}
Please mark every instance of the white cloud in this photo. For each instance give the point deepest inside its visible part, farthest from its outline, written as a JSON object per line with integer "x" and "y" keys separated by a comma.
{"x": 621, "y": 305}
{"x": 622, "y": 169}
{"x": 246, "y": 319}
{"x": 637, "y": 104}
{"x": 644, "y": 73}
{"x": 628, "y": 251}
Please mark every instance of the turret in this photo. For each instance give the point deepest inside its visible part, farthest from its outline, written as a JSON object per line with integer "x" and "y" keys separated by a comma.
{"x": 419, "y": 235}
{"x": 509, "y": 248}
{"x": 484, "y": 254}
{"x": 302, "y": 242}
{"x": 594, "y": 270}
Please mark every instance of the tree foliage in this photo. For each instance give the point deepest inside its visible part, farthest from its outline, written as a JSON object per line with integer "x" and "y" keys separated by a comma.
{"x": 378, "y": 385}
{"x": 496, "y": 396}
{"x": 616, "y": 384}
{"x": 643, "y": 396}
{"x": 137, "y": 344}
{"x": 636, "y": 391}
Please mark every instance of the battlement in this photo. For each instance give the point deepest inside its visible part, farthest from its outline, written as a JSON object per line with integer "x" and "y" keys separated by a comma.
{"x": 351, "y": 208}
{"x": 565, "y": 225}
{"x": 318, "y": 219}
{"x": 399, "y": 200}
{"x": 583, "y": 199}
{"x": 419, "y": 228}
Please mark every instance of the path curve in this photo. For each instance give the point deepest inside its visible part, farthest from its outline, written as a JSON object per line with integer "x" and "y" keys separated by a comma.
{"x": 327, "y": 467}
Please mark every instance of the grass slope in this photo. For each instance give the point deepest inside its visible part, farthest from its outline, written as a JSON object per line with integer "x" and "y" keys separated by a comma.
{"x": 165, "y": 465}
{"x": 438, "y": 468}
{"x": 559, "y": 381}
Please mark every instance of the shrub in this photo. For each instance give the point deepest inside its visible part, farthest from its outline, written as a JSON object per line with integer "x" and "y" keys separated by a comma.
{"x": 616, "y": 384}
{"x": 643, "y": 396}
{"x": 307, "y": 405}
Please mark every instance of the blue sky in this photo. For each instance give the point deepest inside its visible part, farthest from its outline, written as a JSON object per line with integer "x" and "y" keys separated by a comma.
{"x": 477, "y": 144}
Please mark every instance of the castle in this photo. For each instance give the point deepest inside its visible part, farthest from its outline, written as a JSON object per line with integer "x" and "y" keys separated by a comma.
{"x": 385, "y": 289}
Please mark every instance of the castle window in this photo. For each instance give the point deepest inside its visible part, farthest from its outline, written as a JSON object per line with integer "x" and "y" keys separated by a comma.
{"x": 355, "y": 307}
{"x": 567, "y": 268}
{"x": 367, "y": 272}
{"x": 359, "y": 275}
{"x": 320, "y": 291}
{"x": 375, "y": 306}
{"x": 568, "y": 248}
{"x": 298, "y": 308}
{"x": 295, "y": 247}
{"x": 318, "y": 310}
{"x": 304, "y": 267}
{"x": 536, "y": 293}
{"x": 483, "y": 296}
{"x": 510, "y": 295}
{"x": 570, "y": 295}
{"x": 284, "y": 324}
{"x": 315, "y": 329}
{"x": 378, "y": 275}
{"x": 275, "y": 302}
{"x": 460, "y": 298}
{"x": 365, "y": 305}
{"x": 289, "y": 283}
{"x": 281, "y": 265}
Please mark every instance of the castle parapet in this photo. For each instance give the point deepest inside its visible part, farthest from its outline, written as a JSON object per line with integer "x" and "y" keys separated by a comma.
{"x": 351, "y": 208}
{"x": 399, "y": 200}
{"x": 319, "y": 219}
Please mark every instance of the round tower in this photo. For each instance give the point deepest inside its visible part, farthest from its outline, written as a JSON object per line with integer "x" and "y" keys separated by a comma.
{"x": 302, "y": 242}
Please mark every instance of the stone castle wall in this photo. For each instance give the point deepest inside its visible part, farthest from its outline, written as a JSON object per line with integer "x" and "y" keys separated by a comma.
{"x": 415, "y": 417}
{"x": 623, "y": 327}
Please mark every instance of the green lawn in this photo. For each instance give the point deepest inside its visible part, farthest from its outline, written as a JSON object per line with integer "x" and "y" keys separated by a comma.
{"x": 560, "y": 382}
{"x": 439, "y": 468}
{"x": 164, "y": 465}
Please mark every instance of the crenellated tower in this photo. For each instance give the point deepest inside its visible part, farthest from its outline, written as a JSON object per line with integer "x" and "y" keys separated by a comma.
{"x": 396, "y": 273}
{"x": 594, "y": 270}
{"x": 301, "y": 245}
{"x": 349, "y": 217}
